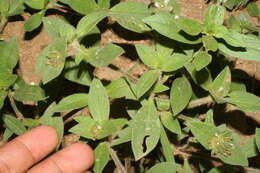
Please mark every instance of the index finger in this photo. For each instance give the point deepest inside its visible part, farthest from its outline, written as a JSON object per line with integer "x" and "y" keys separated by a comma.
{"x": 24, "y": 151}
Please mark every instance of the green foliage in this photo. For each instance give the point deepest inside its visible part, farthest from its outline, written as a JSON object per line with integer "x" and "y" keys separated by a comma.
{"x": 161, "y": 105}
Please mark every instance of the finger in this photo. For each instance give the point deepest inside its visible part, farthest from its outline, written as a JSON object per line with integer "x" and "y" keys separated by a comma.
{"x": 21, "y": 153}
{"x": 76, "y": 158}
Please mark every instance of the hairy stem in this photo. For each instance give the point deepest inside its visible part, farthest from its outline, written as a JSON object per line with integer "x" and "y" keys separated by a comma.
{"x": 200, "y": 102}
{"x": 116, "y": 160}
{"x": 18, "y": 114}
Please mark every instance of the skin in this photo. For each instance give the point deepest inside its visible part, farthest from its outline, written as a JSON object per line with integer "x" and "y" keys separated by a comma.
{"x": 26, "y": 153}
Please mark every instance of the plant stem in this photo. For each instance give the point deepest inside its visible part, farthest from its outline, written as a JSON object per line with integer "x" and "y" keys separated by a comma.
{"x": 116, "y": 160}
{"x": 18, "y": 114}
{"x": 200, "y": 102}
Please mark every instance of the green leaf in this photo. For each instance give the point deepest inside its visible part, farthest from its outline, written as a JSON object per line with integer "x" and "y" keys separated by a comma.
{"x": 210, "y": 43}
{"x": 15, "y": 125}
{"x": 221, "y": 85}
{"x": 34, "y": 21}
{"x": 257, "y": 138}
{"x": 180, "y": 95}
{"x": 237, "y": 87}
{"x": 74, "y": 101}
{"x": 186, "y": 167}
{"x": 236, "y": 39}
{"x": 6, "y": 79}
{"x": 26, "y": 93}
{"x": 170, "y": 122}
{"x": 161, "y": 60}
{"x": 82, "y": 6}
{"x": 166, "y": 146}
{"x": 84, "y": 127}
{"x": 165, "y": 167}
{"x": 165, "y": 24}
{"x": 58, "y": 28}
{"x": 3, "y": 94}
{"x": 16, "y": 8}
{"x": 124, "y": 136}
{"x": 247, "y": 53}
{"x": 250, "y": 147}
{"x": 87, "y": 23}
{"x": 9, "y": 54}
{"x": 162, "y": 104}
{"x": 103, "y": 3}
{"x": 158, "y": 88}
{"x": 244, "y": 101}
{"x": 130, "y": 15}
{"x": 51, "y": 60}
{"x": 202, "y": 78}
{"x": 102, "y": 56}
{"x": 215, "y": 15}
{"x": 120, "y": 88}
{"x": 146, "y": 81}
{"x": 252, "y": 9}
{"x": 210, "y": 117}
{"x": 98, "y": 101}
{"x": 57, "y": 123}
{"x": 145, "y": 130}
{"x": 77, "y": 73}
{"x": 36, "y": 4}
{"x": 201, "y": 60}
{"x": 236, "y": 155}
{"x": 49, "y": 112}
{"x": 4, "y": 7}
{"x": 101, "y": 157}
{"x": 203, "y": 132}
{"x": 7, "y": 134}
{"x": 190, "y": 26}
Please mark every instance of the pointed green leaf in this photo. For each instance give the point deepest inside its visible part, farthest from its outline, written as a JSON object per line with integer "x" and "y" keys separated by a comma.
{"x": 215, "y": 15}
{"x": 203, "y": 132}
{"x": 245, "y": 53}
{"x": 120, "y": 88}
{"x": 84, "y": 127}
{"x": 77, "y": 73}
{"x": 220, "y": 87}
{"x": 27, "y": 93}
{"x": 33, "y": 22}
{"x": 210, "y": 43}
{"x": 180, "y": 95}
{"x": 9, "y": 54}
{"x": 250, "y": 147}
{"x": 13, "y": 124}
{"x": 130, "y": 15}
{"x": 244, "y": 101}
{"x": 98, "y": 101}
{"x": 165, "y": 24}
{"x": 190, "y": 26}
{"x": 51, "y": 60}
{"x": 253, "y": 9}
{"x": 102, "y": 56}
{"x": 170, "y": 122}
{"x": 36, "y": 4}
{"x": 7, "y": 134}
{"x": 123, "y": 136}
{"x": 201, "y": 60}
{"x": 146, "y": 81}
{"x": 74, "y": 101}
{"x": 145, "y": 130}
{"x": 58, "y": 28}
{"x": 161, "y": 60}
{"x": 165, "y": 167}
{"x": 101, "y": 157}
{"x": 82, "y": 6}
{"x": 87, "y": 23}
{"x": 166, "y": 146}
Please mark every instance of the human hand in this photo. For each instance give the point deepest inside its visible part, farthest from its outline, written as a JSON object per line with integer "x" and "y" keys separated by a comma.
{"x": 21, "y": 154}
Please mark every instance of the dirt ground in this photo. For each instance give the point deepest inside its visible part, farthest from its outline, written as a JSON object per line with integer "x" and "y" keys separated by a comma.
{"x": 31, "y": 47}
